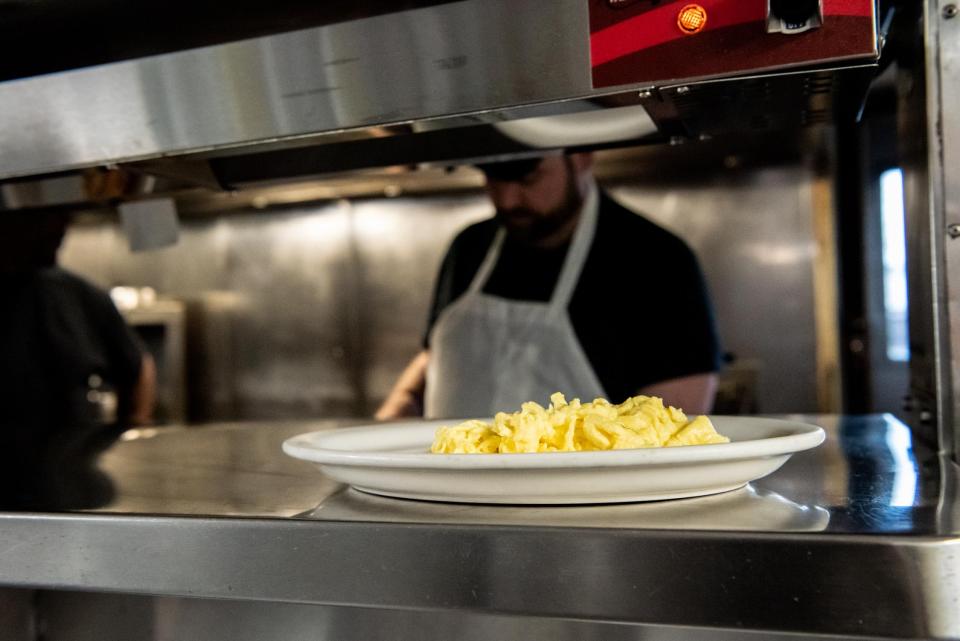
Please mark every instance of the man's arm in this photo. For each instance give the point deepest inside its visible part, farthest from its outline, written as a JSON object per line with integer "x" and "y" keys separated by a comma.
{"x": 133, "y": 369}
{"x": 144, "y": 392}
{"x": 693, "y": 394}
{"x": 406, "y": 397}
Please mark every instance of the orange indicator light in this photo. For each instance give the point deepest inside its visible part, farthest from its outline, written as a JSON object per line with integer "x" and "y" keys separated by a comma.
{"x": 692, "y": 19}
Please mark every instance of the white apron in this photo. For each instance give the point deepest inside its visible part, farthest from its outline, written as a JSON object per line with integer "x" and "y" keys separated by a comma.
{"x": 490, "y": 354}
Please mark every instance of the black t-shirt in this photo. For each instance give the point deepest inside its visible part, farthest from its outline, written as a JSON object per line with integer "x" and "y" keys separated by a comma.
{"x": 640, "y": 310}
{"x": 61, "y": 338}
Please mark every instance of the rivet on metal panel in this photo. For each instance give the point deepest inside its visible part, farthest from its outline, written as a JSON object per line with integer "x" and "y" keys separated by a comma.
{"x": 954, "y": 230}
{"x": 950, "y": 11}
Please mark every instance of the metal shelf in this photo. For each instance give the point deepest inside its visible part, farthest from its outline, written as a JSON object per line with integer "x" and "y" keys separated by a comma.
{"x": 858, "y": 537}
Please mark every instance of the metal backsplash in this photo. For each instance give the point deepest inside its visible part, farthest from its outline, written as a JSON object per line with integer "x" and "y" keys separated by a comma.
{"x": 314, "y": 311}
{"x": 754, "y": 237}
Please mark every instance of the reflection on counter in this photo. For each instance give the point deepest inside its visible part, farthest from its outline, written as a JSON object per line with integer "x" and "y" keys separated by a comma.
{"x": 748, "y": 508}
{"x": 884, "y": 475}
{"x": 842, "y": 486}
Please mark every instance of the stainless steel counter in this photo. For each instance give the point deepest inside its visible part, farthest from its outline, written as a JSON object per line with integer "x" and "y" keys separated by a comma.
{"x": 859, "y": 537}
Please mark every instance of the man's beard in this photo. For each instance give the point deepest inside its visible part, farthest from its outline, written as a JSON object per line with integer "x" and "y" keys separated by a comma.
{"x": 530, "y": 227}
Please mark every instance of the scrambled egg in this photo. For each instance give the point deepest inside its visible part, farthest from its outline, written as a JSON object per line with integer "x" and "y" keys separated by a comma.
{"x": 641, "y": 421}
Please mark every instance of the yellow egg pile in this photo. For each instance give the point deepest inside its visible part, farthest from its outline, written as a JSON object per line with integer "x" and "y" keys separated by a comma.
{"x": 638, "y": 422}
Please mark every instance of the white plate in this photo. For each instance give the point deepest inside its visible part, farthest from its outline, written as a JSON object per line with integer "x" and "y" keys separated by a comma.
{"x": 394, "y": 460}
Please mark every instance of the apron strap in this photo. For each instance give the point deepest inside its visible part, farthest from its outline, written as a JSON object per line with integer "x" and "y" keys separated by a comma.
{"x": 572, "y": 264}
{"x": 489, "y": 262}
{"x": 577, "y": 254}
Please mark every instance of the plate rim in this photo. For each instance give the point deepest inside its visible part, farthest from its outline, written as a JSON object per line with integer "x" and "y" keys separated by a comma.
{"x": 804, "y": 436}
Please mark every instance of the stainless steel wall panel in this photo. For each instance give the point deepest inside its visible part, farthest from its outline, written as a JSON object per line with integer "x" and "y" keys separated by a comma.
{"x": 753, "y": 235}
{"x": 293, "y": 341}
{"x": 314, "y": 310}
{"x": 308, "y": 312}
{"x": 400, "y": 245}
{"x": 272, "y": 295}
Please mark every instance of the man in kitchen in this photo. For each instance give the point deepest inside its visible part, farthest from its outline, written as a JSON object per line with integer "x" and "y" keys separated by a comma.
{"x": 73, "y": 374}
{"x": 562, "y": 290}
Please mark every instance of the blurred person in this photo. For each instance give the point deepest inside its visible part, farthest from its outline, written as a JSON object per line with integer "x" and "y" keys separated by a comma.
{"x": 73, "y": 375}
{"x": 562, "y": 290}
